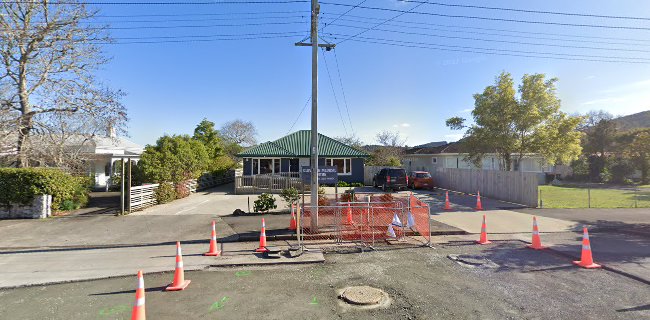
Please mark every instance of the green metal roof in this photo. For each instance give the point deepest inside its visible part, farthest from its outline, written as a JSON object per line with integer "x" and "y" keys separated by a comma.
{"x": 297, "y": 145}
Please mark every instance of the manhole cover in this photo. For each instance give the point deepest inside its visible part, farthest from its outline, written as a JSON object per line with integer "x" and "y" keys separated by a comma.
{"x": 472, "y": 261}
{"x": 363, "y": 296}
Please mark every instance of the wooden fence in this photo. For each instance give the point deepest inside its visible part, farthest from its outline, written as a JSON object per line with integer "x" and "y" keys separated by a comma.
{"x": 263, "y": 183}
{"x": 142, "y": 197}
{"x": 512, "y": 186}
{"x": 209, "y": 180}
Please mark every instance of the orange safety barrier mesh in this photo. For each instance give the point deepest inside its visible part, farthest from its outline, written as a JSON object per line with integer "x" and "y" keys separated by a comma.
{"x": 378, "y": 218}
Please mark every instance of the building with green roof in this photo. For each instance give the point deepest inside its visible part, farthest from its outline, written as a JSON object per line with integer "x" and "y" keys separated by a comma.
{"x": 291, "y": 152}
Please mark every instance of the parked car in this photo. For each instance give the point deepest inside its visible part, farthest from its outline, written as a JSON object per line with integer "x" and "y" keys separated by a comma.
{"x": 391, "y": 178}
{"x": 420, "y": 180}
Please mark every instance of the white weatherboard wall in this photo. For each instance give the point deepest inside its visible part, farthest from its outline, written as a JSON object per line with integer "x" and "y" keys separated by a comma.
{"x": 512, "y": 186}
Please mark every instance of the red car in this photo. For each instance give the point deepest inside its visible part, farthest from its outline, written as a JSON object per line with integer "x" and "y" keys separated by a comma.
{"x": 420, "y": 180}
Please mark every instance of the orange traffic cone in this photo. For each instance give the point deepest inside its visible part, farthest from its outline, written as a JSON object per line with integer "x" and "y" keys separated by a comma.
{"x": 537, "y": 241}
{"x": 213, "y": 244}
{"x": 479, "y": 206}
{"x": 484, "y": 239}
{"x": 292, "y": 223}
{"x": 586, "y": 260}
{"x": 262, "y": 247}
{"x": 179, "y": 282}
{"x": 138, "y": 312}
{"x": 447, "y": 204}
{"x": 348, "y": 219}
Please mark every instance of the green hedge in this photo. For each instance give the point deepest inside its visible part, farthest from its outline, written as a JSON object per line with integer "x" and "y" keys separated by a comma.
{"x": 21, "y": 185}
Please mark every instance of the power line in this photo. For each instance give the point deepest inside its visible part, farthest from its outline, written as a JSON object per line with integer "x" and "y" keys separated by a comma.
{"x": 499, "y": 30}
{"x": 422, "y": 45}
{"x": 138, "y": 3}
{"x": 198, "y": 14}
{"x": 336, "y": 100}
{"x": 300, "y": 114}
{"x": 572, "y": 14}
{"x": 191, "y": 26}
{"x": 210, "y": 35}
{"x": 379, "y": 24}
{"x": 343, "y": 14}
{"x": 536, "y": 37}
{"x": 345, "y": 100}
{"x": 503, "y": 41}
{"x": 194, "y": 20}
{"x": 200, "y": 40}
{"x": 492, "y": 18}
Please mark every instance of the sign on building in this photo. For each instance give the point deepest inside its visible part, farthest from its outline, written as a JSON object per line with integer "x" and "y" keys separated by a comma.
{"x": 326, "y": 175}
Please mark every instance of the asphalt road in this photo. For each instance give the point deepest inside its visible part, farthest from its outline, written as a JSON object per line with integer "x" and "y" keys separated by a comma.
{"x": 423, "y": 283}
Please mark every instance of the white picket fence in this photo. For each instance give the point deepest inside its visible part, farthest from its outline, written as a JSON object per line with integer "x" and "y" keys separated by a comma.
{"x": 512, "y": 186}
{"x": 265, "y": 184}
{"x": 142, "y": 197}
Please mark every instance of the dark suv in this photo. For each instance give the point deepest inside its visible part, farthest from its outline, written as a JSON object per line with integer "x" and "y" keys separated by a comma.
{"x": 390, "y": 178}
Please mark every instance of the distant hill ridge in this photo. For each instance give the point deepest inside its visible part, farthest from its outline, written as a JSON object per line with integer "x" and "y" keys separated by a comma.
{"x": 634, "y": 121}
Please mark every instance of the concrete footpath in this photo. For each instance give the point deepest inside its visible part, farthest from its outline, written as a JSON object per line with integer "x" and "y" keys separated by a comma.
{"x": 40, "y": 267}
{"x": 501, "y": 221}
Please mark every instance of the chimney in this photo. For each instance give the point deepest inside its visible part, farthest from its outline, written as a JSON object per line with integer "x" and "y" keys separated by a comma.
{"x": 110, "y": 131}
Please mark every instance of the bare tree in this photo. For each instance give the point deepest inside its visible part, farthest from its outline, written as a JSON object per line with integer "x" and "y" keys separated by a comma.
{"x": 351, "y": 140}
{"x": 239, "y": 132}
{"x": 49, "y": 55}
{"x": 390, "y": 139}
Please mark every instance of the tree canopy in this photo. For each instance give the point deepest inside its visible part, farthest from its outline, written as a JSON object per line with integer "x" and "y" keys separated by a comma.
{"x": 174, "y": 159}
{"x": 515, "y": 122}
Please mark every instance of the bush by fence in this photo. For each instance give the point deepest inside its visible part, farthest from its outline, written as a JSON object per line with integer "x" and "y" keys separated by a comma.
{"x": 21, "y": 185}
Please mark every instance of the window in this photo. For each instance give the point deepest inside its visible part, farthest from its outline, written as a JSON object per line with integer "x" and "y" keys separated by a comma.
{"x": 434, "y": 160}
{"x": 343, "y": 165}
{"x": 265, "y": 166}
{"x": 294, "y": 165}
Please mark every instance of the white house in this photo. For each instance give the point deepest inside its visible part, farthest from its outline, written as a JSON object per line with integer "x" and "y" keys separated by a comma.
{"x": 107, "y": 151}
{"x": 430, "y": 156}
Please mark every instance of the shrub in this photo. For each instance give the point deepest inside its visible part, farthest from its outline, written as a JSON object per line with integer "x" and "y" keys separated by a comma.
{"x": 349, "y": 197}
{"x": 356, "y": 184}
{"x": 342, "y": 184}
{"x": 290, "y": 195}
{"x": 165, "y": 193}
{"x": 264, "y": 203}
{"x": 182, "y": 191}
{"x": 21, "y": 185}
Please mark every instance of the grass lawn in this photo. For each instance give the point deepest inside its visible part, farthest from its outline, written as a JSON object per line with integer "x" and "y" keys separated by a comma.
{"x": 578, "y": 197}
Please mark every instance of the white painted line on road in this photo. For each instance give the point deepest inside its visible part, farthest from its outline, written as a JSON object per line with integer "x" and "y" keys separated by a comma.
{"x": 188, "y": 209}
{"x": 202, "y": 202}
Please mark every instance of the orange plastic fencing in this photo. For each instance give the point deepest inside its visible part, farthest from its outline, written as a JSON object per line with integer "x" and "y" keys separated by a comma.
{"x": 366, "y": 218}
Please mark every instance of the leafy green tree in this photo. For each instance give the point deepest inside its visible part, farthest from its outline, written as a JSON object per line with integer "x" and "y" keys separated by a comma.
{"x": 174, "y": 159}
{"x": 215, "y": 146}
{"x": 636, "y": 146}
{"x": 513, "y": 126}
{"x": 600, "y": 137}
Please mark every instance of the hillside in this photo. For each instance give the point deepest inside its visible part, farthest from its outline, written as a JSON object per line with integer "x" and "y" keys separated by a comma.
{"x": 634, "y": 121}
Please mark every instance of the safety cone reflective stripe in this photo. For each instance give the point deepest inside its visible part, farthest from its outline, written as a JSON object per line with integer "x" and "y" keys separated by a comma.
{"x": 410, "y": 221}
{"x": 292, "y": 223}
{"x": 586, "y": 259}
{"x": 262, "y": 247}
{"x": 213, "y": 251}
{"x": 396, "y": 221}
{"x": 537, "y": 241}
{"x": 391, "y": 232}
{"x": 479, "y": 206}
{"x": 179, "y": 282}
{"x": 483, "y": 239}
{"x": 447, "y": 204}
{"x": 138, "y": 312}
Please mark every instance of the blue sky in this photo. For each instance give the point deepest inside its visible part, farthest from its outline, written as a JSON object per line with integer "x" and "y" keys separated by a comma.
{"x": 172, "y": 86}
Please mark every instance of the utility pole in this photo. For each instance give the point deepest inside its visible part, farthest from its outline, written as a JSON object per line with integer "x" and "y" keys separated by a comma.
{"x": 315, "y": 10}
